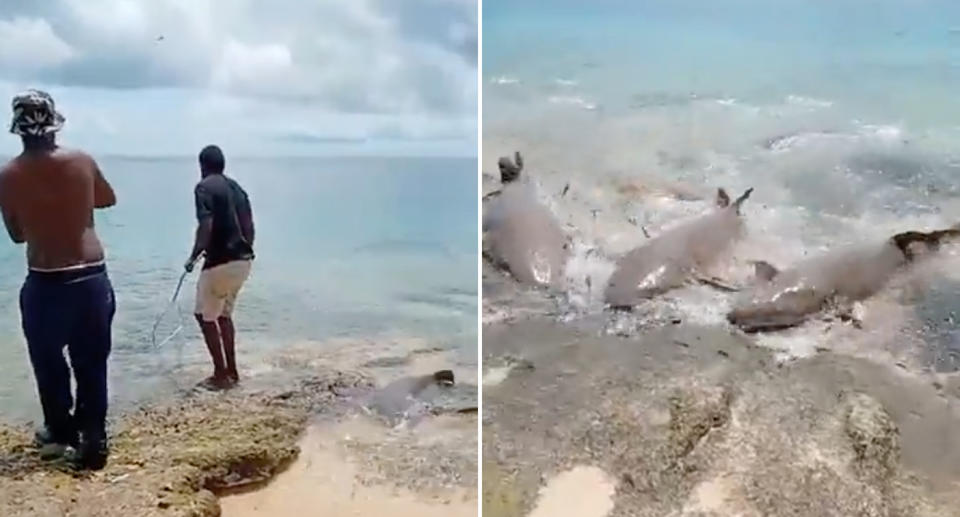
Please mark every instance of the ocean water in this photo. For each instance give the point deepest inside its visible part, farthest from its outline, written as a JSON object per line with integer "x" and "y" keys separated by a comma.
{"x": 366, "y": 248}
{"x": 843, "y": 115}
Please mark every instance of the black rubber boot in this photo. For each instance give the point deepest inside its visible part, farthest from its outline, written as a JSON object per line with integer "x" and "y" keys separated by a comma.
{"x": 52, "y": 446}
{"x": 89, "y": 455}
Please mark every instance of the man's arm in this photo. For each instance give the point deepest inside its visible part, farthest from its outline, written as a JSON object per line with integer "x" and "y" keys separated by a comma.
{"x": 13, "y": 226}
{"x": 201, "y": 239}
{"x": 103, "y": 195}
{"x": 9, "y": 217}
{"x": 245, "y": 218}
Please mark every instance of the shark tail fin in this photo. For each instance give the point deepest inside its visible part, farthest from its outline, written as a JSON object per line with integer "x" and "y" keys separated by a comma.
{"x": 743, "y": 197}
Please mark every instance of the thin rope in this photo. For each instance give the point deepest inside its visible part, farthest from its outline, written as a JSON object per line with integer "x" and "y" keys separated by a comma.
{"x": 170, "y": 373}
{"x": 173, "y": 303}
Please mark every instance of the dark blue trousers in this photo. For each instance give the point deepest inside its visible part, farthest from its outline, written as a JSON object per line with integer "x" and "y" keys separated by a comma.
{"x": 72, "y": 310}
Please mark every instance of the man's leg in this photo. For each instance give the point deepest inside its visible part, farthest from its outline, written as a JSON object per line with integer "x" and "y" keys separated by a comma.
{"x": 89, "y": 347}
{"x": 211, "y": 336}
{"x": 227, "y": 334}
{"x": 45, "y": 329}
{"x": 236, "y": 274}
{"x": 207, "y": 309}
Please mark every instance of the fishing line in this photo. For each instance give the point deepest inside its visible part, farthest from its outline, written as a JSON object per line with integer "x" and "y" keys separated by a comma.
{"x": 173, "y": 303}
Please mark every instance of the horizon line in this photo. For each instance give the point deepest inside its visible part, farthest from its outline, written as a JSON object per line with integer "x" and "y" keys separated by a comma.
{"x": 279, "y": 155}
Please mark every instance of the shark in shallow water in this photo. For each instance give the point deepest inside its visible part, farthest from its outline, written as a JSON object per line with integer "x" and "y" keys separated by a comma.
{"x": 675, "y": 256}
{"x": 783, "y": 299}
{"x": 521, "y": 235}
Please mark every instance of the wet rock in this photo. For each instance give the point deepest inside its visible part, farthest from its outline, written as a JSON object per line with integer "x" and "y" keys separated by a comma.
{"x": 874, "y": 437}
{"x": 693, "y": 414}
{"x": 423, "y": 468}
{"x": 687, "y": 434}
{"x": 501, "y": 495}
{"x": 173, "y": 457}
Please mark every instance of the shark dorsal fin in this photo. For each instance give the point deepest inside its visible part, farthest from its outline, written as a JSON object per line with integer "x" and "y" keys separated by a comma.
{"x": 765, "y": 271}
{"x": 723, "y": 199}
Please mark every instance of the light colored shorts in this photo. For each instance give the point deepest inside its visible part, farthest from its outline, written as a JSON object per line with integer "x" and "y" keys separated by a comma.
{"x": 218, "y": 287}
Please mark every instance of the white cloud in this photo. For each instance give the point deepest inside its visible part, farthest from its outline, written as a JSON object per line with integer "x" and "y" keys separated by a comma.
{"x": 109, "y": 20}
{"x": 245, "y": 66}
{"x": 356, "y": 55}
{"x": 256, "y": 72}
{"x": 30, "y": 43}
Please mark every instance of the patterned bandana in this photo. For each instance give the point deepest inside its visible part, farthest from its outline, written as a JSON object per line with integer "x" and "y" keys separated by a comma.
{"x": 35, "y": 114}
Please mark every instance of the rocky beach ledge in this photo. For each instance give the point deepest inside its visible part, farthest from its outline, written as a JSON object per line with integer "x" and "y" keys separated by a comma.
{"x": 700, "y": 422}
{"x": 178, "y": 458}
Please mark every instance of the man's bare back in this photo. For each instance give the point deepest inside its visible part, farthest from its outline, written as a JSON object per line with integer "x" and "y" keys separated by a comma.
{"x": 47, "y": 200}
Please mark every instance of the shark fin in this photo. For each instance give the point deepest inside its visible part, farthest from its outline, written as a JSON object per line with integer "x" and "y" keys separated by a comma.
{"x": 723, "y": 199}
{"x": 743, "y": 197}
{"x": 765, "y": 271}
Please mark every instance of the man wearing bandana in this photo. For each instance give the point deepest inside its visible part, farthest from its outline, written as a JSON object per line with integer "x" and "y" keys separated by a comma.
{"x": 47, "y": 198}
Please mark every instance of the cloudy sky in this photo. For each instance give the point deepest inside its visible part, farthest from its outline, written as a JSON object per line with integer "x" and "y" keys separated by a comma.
{"x": 290, "y": 77}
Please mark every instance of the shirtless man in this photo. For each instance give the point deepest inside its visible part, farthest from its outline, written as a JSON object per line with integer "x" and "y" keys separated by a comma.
{"x": 47, "y": 197}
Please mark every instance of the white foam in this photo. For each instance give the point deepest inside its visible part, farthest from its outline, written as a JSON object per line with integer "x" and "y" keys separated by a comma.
{"x": 808, "y": 102}
{"x": 884, "y": 133}
{"x": 587, "y": 273}
{"x": 497, "y": 375}
{"x": 572, "y": 100}
{"x": 794, "y": 343}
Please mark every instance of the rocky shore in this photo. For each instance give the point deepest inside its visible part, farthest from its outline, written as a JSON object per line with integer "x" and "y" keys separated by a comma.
{"x": 699, "y": 421}
{"x": 176, "y": 458}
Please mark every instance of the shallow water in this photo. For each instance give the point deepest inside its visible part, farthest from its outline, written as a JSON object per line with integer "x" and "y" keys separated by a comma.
{"x": 842, "y": 116}
{"x": 366, "y": 248}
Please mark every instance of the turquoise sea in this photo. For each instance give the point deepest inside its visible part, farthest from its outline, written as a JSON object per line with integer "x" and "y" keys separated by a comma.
{"x": 346, "y": 248}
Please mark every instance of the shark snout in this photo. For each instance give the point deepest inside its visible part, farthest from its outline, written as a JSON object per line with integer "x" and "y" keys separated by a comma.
{"x": 763, "y": 318}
